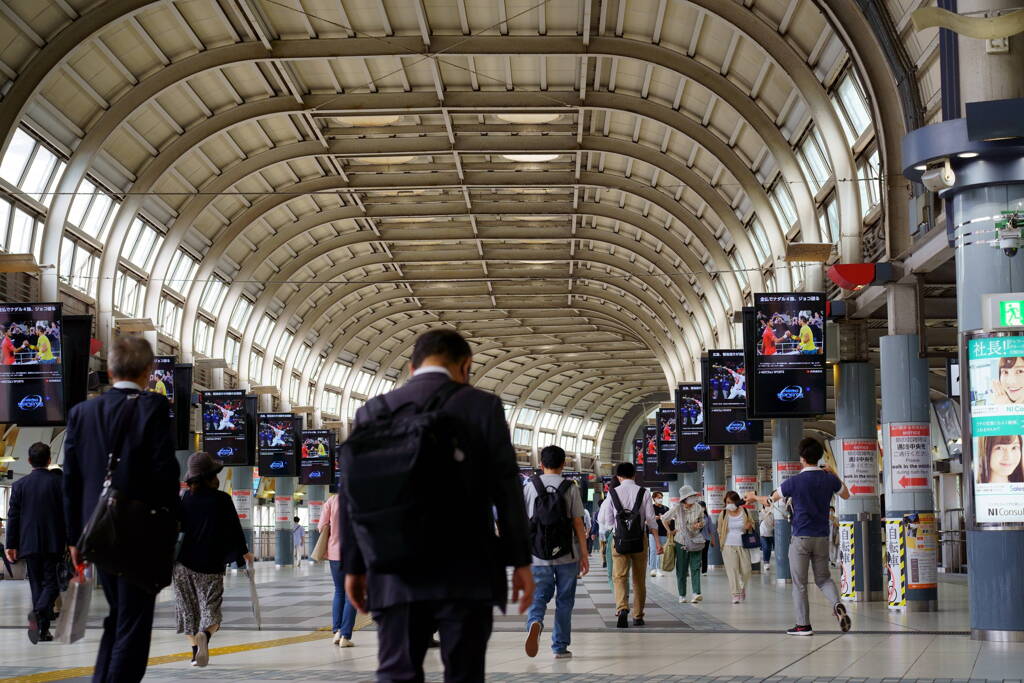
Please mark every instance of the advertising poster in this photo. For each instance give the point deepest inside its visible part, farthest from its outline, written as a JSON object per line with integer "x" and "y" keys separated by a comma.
{"x": 714, "y": 496}
{"x": 922, "y": 551}
{"x": 650, "y": 450}
{"x": 996, "y": 377}
{"x": 860, "y": 466}
{"x": 31, "y": 365}
{"x": 161, "y": 380}
{"x": 277, "y": 438}
{"x": 315, "y": 462}
{"x": 690, "y": 444}
{"x": 243, "y": 503}
{"x": 745, "y": 483}
{"x": 224, "y": 426}
{"x": 725, "y": 398}
{"x": 847, "y": 568}
{"x": 666, "y": 435}
{"x": 787, "y": 346}
{"x": 910, "y": 458}
{"x": 895, "y": 563}
{"x": 316, "y": 508}
{"x": 786, "y": 470}
{"x": 284, "y": 510}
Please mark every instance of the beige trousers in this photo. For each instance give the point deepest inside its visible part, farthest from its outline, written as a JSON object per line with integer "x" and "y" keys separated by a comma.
{"x": 737, "y": 566}
{"x": 621, "y": 565}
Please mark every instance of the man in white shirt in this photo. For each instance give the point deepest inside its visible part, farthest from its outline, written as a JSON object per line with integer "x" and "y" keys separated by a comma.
{"x": 627, "y": 492}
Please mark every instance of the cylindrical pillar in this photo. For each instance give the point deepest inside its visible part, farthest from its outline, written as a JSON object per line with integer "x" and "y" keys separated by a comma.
{"x": 856, "y": 455}
{"x": 907, "y": 458}
{"x": 714, "y": 497}
{"x": 241, "y": 494}
{"x": 744, "y": 480}
{"x": 691, "y": 479}
{"x": 786, "y": 435}
{"x": 315, "y": 498}
{"x": 284, "y": 511}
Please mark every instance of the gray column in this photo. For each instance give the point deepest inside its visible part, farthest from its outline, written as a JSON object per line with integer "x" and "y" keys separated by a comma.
{"x": 284, "y": 511}
{"x": 315, "y": 498}
{"x": 714, "y": 492}
{"x": 241, "y": 494}
{"x": 905, "y": 403}
{"x": 786, "y": 435}
{"x": 691, "y": 479}
{"x": 857, "y": 463}
{"x": 744, "y": 479}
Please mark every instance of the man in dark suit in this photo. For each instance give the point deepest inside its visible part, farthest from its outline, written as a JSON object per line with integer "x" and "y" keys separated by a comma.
{"x": 454, "y": 598}
{"x": 148, "y": 471}
{"x": 36, "y": 536}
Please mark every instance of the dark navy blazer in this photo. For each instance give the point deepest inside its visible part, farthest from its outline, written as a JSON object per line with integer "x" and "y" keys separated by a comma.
{"x": 36, "y": 514}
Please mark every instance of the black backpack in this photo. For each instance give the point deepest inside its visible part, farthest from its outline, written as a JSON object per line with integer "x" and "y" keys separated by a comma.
{"x": 404, "y": 471}
{"x": 630, "y": 530}
{"x": 551, "y": 529}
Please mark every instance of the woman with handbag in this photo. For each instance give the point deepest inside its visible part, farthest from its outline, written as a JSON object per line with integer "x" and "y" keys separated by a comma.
{"x": 736, "y": 533}
{"x": 689, "y": 541}
{"x": 212, "y": 537}
{"x": 342, "y": 612}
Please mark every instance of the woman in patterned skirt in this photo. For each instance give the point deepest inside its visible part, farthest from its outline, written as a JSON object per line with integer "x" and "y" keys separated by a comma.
{"x": 212, "y": 538}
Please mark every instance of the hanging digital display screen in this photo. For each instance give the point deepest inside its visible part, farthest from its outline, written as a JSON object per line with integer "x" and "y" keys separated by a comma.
{"x": 224, "y": 426}
{"x": 31, "y": 365}
{"x": 690, "y": 443}
{"x": 638, "y": 450}
{"x": 161, "y": 380}
{"x": 650, "y": 449}
{"x": 277, "y": 444}
{"x": 725, "y": 400}
{"x": 785, "y": 347}
{"x": 666, "y": 435}
{"x": 650, "y": 480}
{"x": 316, "y": 466}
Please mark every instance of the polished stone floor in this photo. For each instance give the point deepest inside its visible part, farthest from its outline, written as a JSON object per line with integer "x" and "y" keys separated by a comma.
{"x": 714, "y": 641}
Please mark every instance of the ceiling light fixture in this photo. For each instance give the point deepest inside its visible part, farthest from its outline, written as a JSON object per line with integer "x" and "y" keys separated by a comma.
{"x": 531, "y": 158}
{"x": 369, "y": 121}
{"x": 528, "y": 119}
{"x": 967, "y": 155}
{"x": 386, "y": 161}
{"x": 921, "y": 167}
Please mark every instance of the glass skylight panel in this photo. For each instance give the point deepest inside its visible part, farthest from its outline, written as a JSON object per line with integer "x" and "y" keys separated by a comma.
{"x": 213, "y": 295}
{"x": 240, "y": 316}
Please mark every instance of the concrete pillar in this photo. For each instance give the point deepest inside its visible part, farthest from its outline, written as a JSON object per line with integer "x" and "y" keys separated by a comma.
{"x": 714, "y": 496}
{"x": 856, "y": 455}
{"x": 284, "y": 511}
{"x": 786, "y": 435}
{"x": 241, "y": 494}
{"x": 906, "y": 444}
{"x": 744, "y": 479}
{"x": 691, "y": 479}
{"x": 315, "y": 498}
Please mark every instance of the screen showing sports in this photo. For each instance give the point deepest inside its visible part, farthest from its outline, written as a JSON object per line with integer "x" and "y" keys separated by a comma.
{"x": 31, "y": 371}
{"x": 277, "y": 440}
{"x": 224, "y": 426}
{"x": 316, "y": 464}
{"x": 667, "y": 420}
{"x": 161, "y": 380}
{"x": 638, "y": 450}
{"x": 787, "y": 348}
{"x": 650, "y": 450}
{"x": 725, "y": 400}
{"x": 691, "y": 445}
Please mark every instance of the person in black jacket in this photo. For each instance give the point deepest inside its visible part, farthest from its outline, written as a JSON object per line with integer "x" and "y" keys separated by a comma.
{"x": 37, "y": 536}
{"x": 148, "y": 472}
{"x": 455, "y": 598}
{"x": 212, "y": 537}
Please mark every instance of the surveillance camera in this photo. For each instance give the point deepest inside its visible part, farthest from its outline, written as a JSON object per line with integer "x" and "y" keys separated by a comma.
{"x": 1010, "y": 244}
{"x": 939, "y": 178}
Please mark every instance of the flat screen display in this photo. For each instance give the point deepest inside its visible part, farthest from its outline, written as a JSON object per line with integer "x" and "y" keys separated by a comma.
{"x": 650, "y": 452}
{"x": 161, "y": 380}
{"x": 690, "y": 430}
{"x": 667, "y": 420}
{"x": 650, "y": 480}
{"x": 785, "y": 341}
{"x": 224, "y": 426}
{"x": 277, "y": 444}
{"x": 638, "y": 450}
{"x": 725, "y": 400}
{"x": 31, "y": 365}
{"x": 316, "y": 466}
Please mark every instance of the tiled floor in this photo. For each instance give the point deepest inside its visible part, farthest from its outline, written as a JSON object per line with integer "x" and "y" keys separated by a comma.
{"x": 712, "y": 642}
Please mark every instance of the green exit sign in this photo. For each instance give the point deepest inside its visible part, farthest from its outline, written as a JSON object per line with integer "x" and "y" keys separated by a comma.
{"x": 1011, "y": 313}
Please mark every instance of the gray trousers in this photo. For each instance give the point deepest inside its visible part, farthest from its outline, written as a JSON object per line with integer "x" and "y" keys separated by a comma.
{"x": 812, "y": 551}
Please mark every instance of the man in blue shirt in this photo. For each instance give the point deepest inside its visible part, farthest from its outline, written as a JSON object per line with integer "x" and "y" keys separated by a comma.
{"x": 810, "y": 493}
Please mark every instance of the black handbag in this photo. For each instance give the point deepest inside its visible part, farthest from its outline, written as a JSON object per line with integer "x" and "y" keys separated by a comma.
{"x": 125, "y": 536}
{"x": 751, "y": 539}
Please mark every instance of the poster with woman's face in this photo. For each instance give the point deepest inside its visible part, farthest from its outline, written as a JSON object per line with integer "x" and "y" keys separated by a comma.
{"x": 996, "y": 366}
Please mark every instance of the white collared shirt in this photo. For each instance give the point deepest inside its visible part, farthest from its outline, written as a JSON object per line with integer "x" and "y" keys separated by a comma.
{"x": 125, "y": 384}
{"x": 626, "y": 492}
{"x": 431, "y": 368}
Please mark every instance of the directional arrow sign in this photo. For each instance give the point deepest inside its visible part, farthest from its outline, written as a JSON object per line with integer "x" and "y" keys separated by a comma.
{"x": 908, "y": 482}
{"x": 857, "y": 490}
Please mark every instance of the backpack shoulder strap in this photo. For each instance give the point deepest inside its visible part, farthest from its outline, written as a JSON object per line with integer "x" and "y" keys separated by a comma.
{"x": 564, "y": 486}
{"x": 615, "y": 501}
{"x": 441, "y": 396}
{"x": 538, "y": 485}
{"x": 639, "y": 499}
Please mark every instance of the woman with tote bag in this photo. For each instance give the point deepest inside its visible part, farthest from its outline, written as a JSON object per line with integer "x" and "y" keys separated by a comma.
{"x": 737, "y": 534}
{"x": 343, "y": 613}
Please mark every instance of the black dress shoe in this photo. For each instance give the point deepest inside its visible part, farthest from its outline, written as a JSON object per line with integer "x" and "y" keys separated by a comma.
{"x": 639, "y": 621}
{"x": 623, "y": 621}
{"x": 33, "y": 627}
{"x": 45, "y": 637}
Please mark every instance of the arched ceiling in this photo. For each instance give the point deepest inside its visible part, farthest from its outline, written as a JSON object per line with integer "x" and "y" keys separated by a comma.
{"x": 355, "y": 171}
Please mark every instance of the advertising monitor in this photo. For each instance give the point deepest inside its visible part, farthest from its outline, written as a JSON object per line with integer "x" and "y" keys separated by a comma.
{"x": 316, "y": 466}
{"x": 277, "y": 444}
{"x": 725, "y": 400}
{"x": 31, "y": 365}
{"x": 691, "y": 444}
{"x": 224, "y": 426}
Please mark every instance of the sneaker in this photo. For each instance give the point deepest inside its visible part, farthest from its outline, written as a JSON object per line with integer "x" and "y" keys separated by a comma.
{"x": 565, "y": 654}
{"x": 844, "y": 619}
{"x": 799, "y": 630}
{"x": 33, "y": 627}
{"x": 697, "y": 598}
{"x": 337, "y": 637}
{"x": 735, "y": 598}
{"x": 346, "y": 642}
{"x": 682, "y": 599}
{"x": 623, "y": 621}
{"x": 743, "y": 595}
{"x": 639, "y": 621}
{"x": 766, "y": 566}
{"x": 654, "y": 572}
{"x": 533, "y": 639}
{"x": 202, "y": 649}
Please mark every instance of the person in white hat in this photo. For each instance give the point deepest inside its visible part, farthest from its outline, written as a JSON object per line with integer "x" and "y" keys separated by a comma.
{"x": 689, "y": 540}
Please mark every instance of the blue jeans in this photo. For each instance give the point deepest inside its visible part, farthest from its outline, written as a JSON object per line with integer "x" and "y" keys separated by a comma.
{"x": 343, "y": 613}
{"x": 767, "y": 545}
{"x": 560, "y": 580}
{"x": 653, "y": 560}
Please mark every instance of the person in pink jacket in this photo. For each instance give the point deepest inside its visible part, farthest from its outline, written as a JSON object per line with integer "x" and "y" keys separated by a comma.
{"x": 344, "y": 614}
